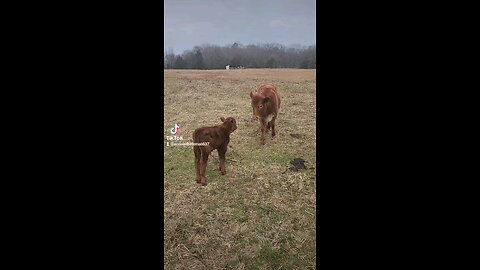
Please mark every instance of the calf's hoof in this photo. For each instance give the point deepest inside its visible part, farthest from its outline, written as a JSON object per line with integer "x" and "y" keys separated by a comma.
{"x": 198, "y": 180}
{"x": 223, "y": 172}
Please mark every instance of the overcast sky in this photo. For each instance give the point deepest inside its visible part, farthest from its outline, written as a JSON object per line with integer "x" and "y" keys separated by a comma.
{"x": 189, "y": 23}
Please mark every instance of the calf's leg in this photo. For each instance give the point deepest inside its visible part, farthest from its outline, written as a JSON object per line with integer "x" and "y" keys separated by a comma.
{"x": 262, "y": 132}
{"x": 198, "y": 155}
{"x": 272, "y": 124}
{"x": 221, "y": 154}
{"x": 203, "y": 164}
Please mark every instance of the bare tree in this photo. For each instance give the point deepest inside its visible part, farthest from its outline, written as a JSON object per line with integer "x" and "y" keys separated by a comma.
{"x": 271, "y": 55}
{"x": 169, "y": 58}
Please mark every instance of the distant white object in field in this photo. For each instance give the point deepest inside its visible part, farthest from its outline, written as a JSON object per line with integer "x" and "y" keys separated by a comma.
{"x": 227, "y": 67}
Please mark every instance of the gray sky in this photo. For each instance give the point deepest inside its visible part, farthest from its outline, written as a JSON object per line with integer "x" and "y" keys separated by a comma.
{"x": 189, "y": 23}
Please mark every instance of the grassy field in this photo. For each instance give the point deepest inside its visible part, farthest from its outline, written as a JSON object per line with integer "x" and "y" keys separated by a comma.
{"x": 258, "y": 215}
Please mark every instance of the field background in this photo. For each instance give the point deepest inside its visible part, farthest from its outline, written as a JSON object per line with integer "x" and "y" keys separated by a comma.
{"x": 257, "y": 216}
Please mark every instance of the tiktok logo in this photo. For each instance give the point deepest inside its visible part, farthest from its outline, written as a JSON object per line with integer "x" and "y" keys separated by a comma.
{"x": 175, "y": 129}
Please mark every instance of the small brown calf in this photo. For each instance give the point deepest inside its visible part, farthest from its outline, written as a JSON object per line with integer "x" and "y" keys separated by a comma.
{"x": 218, "y": 138}
{"x": 266, "y": 106}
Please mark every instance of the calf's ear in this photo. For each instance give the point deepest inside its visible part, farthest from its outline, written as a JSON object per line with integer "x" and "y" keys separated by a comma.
{"x": 251, "y": 95}
{"x": 223, "y": 119}
{"x": 266, "y": 99}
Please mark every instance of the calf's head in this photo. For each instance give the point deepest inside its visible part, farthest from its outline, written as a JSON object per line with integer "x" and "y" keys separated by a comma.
{"x": 259, "y": 104}
{"x": 230, "y": 123}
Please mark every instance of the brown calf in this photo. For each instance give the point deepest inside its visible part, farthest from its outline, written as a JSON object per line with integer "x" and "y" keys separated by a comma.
{"x": 218, "y": 138}
{"x": 266, "y": 106}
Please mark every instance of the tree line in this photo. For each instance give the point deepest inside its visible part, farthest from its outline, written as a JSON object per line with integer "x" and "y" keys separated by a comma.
{"x": 270, "y": 55}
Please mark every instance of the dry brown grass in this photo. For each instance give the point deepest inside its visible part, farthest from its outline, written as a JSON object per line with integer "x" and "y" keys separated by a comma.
{"x": 256, "y": 216}
{"x": 266, "y": 74}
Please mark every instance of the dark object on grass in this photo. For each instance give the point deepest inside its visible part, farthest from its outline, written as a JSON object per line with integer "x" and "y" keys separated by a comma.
{"x": 298, "y": 164}
{"x": 295, "y": 135}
